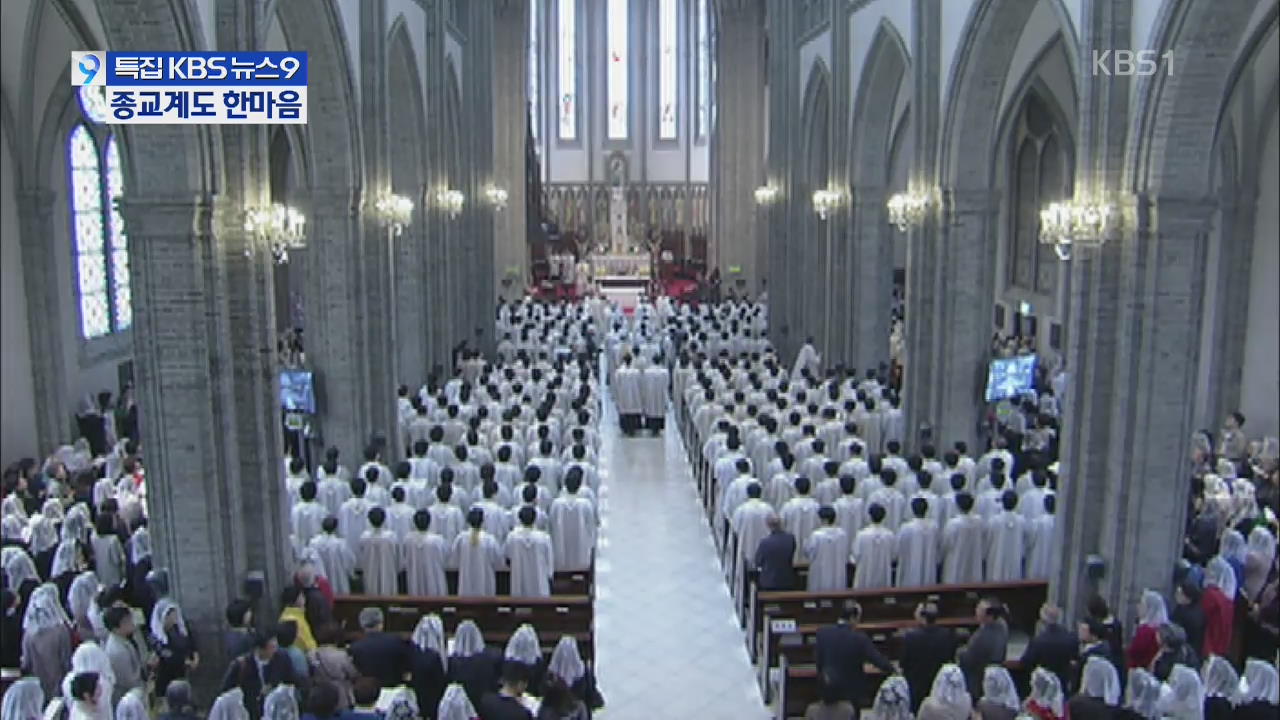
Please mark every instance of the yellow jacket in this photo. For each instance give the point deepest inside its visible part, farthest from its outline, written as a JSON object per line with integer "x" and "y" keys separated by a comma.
{"x": 306, "y": 641}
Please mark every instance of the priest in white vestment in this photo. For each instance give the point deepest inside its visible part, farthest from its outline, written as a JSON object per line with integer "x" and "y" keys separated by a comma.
{"x": 889, "y": 497}
{"x": 573, "y": 526}
{"x": 655, "y": 381}
{"x": 800, "y": 515}
{"x": 1006, "y": 539}
{"x": 423, "y": 555}
{"x": 353, "y": 516}
{"x": 827, "y": 549}
{"x": 1031, "y": 502}
{"x": 872, "y": 553}
{"x": 477, "y": 556}
{"x": 1040, "y": 541}
{"x": 307, "y": 515}
{"x": 529, "y": 553}
{"x": 628, "y": 395}
{"x": 807, "y": 359}
{"x": 963, "y": 544}
{"x": 750, "y": 523}
{"x": 336, "y": 559}
{"x": 917, "y": 548}
{"x": 446, "y": 516}
{"x": 379, "y": 555}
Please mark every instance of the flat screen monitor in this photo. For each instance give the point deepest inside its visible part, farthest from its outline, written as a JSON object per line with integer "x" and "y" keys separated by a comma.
{"x": 1008, "y": 377}
{"x": 298, "y": 391}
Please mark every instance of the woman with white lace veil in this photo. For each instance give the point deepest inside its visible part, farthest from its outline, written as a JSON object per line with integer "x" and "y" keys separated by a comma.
{"x": 1142, "y": 697}
{"x": 1221, "y": 688}
{"x": 524, "y": 648}
{"x": 174, "y": 644}
{"x": 949, "y": 698}
{"x": 46, "y": 639}
{"x": 1099, "y": 691}
{"x": 1046, "y": 701}
{"x": 429, "y": 660}
{"x": 18, "y": 566}
{"x": 24, "y": 700}
{"x": 1152, "y": 613}
{"x": 1259, "y": 555}
{"x": 470, "y": 662}
{"x": 230, "y": 706}
{"x": 280, "y": 704}
{"x": 42, "y": 531}
{"x": 80, "y": 598}
{"x": 893, "y": 700}
{"x": 13, "y": 529}
{"x": 566, "y": 663}
{"x": 455, "y": 705}
{"x": 999, "y": 695}
{"x": 90, "y": 657}
{"x": 1182, "y": 698}
{"x": 133, "y": 706}
{"x": 1259, "y": 691}
{"x": 401, "y": 704}
{"x": 1219, "y": 573}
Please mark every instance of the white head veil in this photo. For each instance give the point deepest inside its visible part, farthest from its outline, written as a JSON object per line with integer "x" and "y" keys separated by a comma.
{"x": 1153, "y": 610}
{"x": 13, "y": 528}
{"x": 44, "y": 610}
{"x": 280, "y": 704}
{"x": 566, "y": 662}
{"x": 133, "y": 706}
{"x": 1263, "y": 544}
{"x": 139, "y": 545}
{"x": 402, "y": 704}
{"x": 523, "y": 646}
{"x": 454, "y": 705}
{"x": 893, "y": 700}
{"x": 1143, "y": 694}
{"x": 1259, "y": 683}
{"x": 24, "y": 700}
{"x": 1100, "y": 680}
{"x": 1233, "y": 546}
{"x": 1183, "y": 696}
{"x": 43, "y": 532}
{"x": 1220, "y": 679}
{"x": 162, "y": 608}
{"x": 1046, "y": 690}
{"x": 467, "y": 640}
{"x": 90, "y": 657}
{"x": 18, "y": 566}
{"x": 75, "y": 524}
{"x": 998, "y": 687}
{"x": 429, "y": 635}
{"x": 12, "y": 505}
{"x": 229, "y": 706}
{"x": 52, "y": 509}
{"x": 949, "y": 688}
{"x": 1221, "y": 575}
{"x": 81, "y": 594}
{"x": 65, "y": 558}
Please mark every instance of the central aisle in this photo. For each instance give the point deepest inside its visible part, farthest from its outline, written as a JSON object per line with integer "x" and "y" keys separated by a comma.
{"x": 667, "y": 642}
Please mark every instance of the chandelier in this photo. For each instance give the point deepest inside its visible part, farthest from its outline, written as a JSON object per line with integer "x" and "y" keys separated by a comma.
{"x": 276, "y": 228}
{"x": 1065, "y": 225}
{"x": 907, "y": 210}
{"x": 394, "y": 210}
{"x": 450, "y": 201}
{"x": 766, "y": 194}
{"x": 825, "y": 202}
{"x": 496, "y": 196}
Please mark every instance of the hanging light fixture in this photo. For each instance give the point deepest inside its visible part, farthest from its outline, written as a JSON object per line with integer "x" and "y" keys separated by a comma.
{"x": 1066, "y": 225}
{"x": 451, "y": 201}
{"x": 826, "y": 201}
{"x": 395, "y": 211}
{"x": 277, "y": 229}
{"x": 496, "y": 196}
{"x": 766, "y": 195}
{"x": 907, "y": 209}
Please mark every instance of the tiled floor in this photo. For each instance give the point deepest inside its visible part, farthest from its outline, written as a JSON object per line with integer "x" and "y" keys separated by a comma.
{"x": 667, "y": 643}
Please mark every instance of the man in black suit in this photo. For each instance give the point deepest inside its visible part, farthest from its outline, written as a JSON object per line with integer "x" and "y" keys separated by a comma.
{"x": 259, "y": 671}
{"x": 1054, "y": 648}
{"x": 924, "y": 651}
{"x": 379, "y": 654}
{"x": 842, "y": 651}
{"x": 1093, "y": 634}
{"x": 506, "y": 703}
{"x": 774, "y": 556}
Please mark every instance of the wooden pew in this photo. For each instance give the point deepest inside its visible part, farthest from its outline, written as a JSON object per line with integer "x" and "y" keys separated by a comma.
{"x": 497, "y": 617}
{"x": 563, "y": 582}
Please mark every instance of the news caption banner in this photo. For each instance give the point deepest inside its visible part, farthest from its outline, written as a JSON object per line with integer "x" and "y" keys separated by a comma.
{"x": 197, "y": 88}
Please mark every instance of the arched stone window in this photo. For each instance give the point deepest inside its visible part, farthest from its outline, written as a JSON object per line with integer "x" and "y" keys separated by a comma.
{"x": 1040, "y": 173}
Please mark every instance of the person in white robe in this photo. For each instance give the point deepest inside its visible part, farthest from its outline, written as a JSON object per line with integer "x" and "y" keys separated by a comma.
{"x": 399, "y": 513}
{"x": 1040, "y": 548}
{"x": 333, "y": 490}
{"x": 423, "y": 556}
{"x": 1031, "y": 502}
{"x": 307, "y": 515}
{"x": 872, "y": 553}
{"x": 889, "y": 497}
{"x": 917, "y": 547}
{"x": 477, "y": 557}
{"x": 963, "y": 544}
{"x": 628, "y": 395}
{"x": 573, "y": 526}
{"x": 446, "y": 517}
{"x": 336, "y": 560}
{"x": 750, "y": 525}
{"x": 829, "y": 487}
{"x": 655, "y": 381}
{"x": 800, "y": 515}
{"x": 734, "y": 492}
{"x": 851, "y": 513}
{"x": 827, "y": 549}
{"x": 991, "y": 500}
{"x": 1006, "y": 540}
{"x": 379, "y": 555}
{"x": 807, "y": 358}
{"x": 782, "y": 484}
{"x": 528, "y": 551}
{"x": 353, "y": 516}
{"x": 496, "y": 521}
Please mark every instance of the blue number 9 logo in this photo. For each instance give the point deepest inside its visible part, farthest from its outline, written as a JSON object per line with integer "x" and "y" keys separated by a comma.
{"x": 89, "y": 65}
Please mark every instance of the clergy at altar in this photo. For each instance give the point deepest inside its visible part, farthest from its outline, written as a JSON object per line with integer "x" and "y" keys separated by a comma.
{"x": 573, "y": 525}
{"x": 917, "y": 547}
{"x": 423, "y": 555}
{"x": 477, "y": 557}
{"x": 529, "y": 552}
{"x": 827, "y": 550}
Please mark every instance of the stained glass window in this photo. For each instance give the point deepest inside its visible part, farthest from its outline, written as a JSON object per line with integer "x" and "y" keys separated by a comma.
{"x": 567, "y": 70}
{"x": 617, "y": 69}
{"x": 704, "y": 71}
{"x": 533, "y": 67}
{"x": 100, "y": 246}
{"x": 93, "y": 101}
{"x": 667, "y": 64}
{"x": 118, "y": 242}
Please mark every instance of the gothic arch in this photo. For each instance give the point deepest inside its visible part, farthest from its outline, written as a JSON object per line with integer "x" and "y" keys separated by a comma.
{"x": 872, "y": 129}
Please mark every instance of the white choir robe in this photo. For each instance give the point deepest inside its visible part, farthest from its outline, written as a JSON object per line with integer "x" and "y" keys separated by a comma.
{"x": 627, "y": 391}
{"x": 733, "y": 495}
{"x": 424, "y": 468}
{"x": 106, "y": 488}
{"x": 1031, "y": 503}
{"x": 306, "y": 519}
{"x": 447, "y": 520}
{"x": 380, "y": 561}
{"x": 417, "y": 492}
{"x": 353, "y": 520}
{"x": 496, "y": 521}
{"x": 894, "y": 504}
{"x": 337, "y": 561}
{"x": 851, "y": 514}
{"x": 827, "y": 491}
{"x": 872, "y": 556}
{"x": 799, "y": 517}
{"x": 750, "y": 523}
{"x": 1040, "y": 547}
{"x": 332, "y": 492}
{"x": 988, "y": 503}
{"x": 654, "y": 392}
{"x": 828, "y": 551}
{"x": 807, "y": 358}
{"x": 963, "y": 547}
{"x": 377, "y": 496}
{"x": 400, "y": 519}
{"x": 529, "y": 553}
{"x": 573, "y": 531}
{"x": 423, "y": 556}
{"x": 1006, "y": 544}
{"x": 917, "y": 553}
{"x": 781, "y": 488}
{"x": 477, "y": 556}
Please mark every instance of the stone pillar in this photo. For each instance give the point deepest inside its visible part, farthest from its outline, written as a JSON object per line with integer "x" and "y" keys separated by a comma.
{"x": 737, "y": 143}
{"x": 783, "y": 155}
{"x": 52, "y": 411}
{"x": 865, "y": 291}
{"x": 435, "y": 222}
{"x": 510, "y": 130}
{"x": 479, "y": 289}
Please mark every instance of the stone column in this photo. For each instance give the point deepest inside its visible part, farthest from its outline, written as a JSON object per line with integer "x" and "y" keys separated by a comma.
{"x": 479, "y": 292}
{"x": 510, "y": 130}
{"x": 865, "y": 291}
{"x": 783, "y": 155}
{"x": 737, "y": 143}
{"x": 52, "y": 412}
